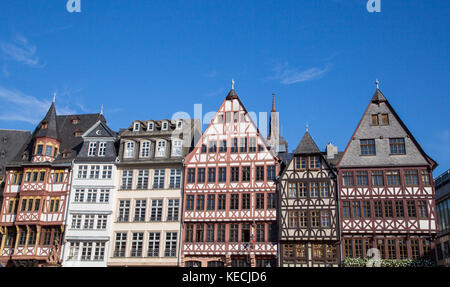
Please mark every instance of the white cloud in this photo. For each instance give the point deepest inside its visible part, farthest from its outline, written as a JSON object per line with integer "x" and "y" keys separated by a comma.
{"x": 20, "y": 50}
{"x": 289, "y": 76}
{"x": 17, "y": 106}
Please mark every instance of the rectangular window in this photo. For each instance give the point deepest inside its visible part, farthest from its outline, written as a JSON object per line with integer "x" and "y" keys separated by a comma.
{"x": 234, "y": 232}
{"x": 175, "y": 178}
{"x": 411, "y": 208}
{"x": 397, "y": 145}
{"x": 222, "y": 174}
{"x": 189, "y": 202}
{"x": 378, "y": 209}
{"x": 347, "y": 178}
{"x": 173, "y": 210}
{"x": 139, "y": 210}
{"x": 252, "y": 145}
{"x": 158, "y": 178}
{"x": 234, "y": 147}
{"x": 145, "y": 149}
{"x": 129, "y": 150}
{"x": 104, "y": 196}
{"x": 161, "y": 149}
{"x": 271, "y": 201}
{"x": 74, "y": 250}
{"x": 356, "y": 209}
{"x": 102, "y": 222}
{"x": 361, "y": 178}
{"x": 191, "y": 175}
{"x": 124, "y": 211}
{"x": 425, "y": 177}
{"x": 245, "y": 173}
{"x": 315, "y": 218}
{"x": 385, "y": 119}
{"x": 137, "y": 243}
{"x": 223, "y": 146}
{"x": 243, "y": 145}
{"x": 325, "y": 218}
{"x": 156, "y": 210}
{"x": 76, "y": 221}
{"x": 91, "y": 195}
{"x": 245, "y": 233}
{"x": 377, "y": 178}
{"x": 393, "y": 177}
{"x": 411, "y": 177}
{"x": 314, "y": 162}
{"x": 260, "y": 173}
{"x": 92, "y": 151}
{"x": 221, "y": 202}
{"x": 212, "y": 174}
{"x": 245, "y": 201}
{"x": 367, "y": 147}
{"x": 102, "y": 149}
{"x": 292, "y": 190}
{"x": 189, "y": 234}
{"x": 95, "y": 172}
{"x": 107, "y": 172}
{"x": 120, "y": 244}
{"x": 142, "y": 180}
{"x": 221, "y": 233}
{"x": 388, "y": 212}
{"x": 200, "y": 202}
{"x": 302, "y": 190}
{"x": 171, "y": 244}
{"x": 358, "y": 248}
{"x": 127, "y": 179}
{"x": 346, "y": 209}
{"x": 199, "y": 233}
{"x": 375, "y": 120}
{"x": 210, "y": 233}
{"x": 422, "y": 208}
{"x": 270, "y": 173}
{"x": 211, "y": 203}
{"x": 399, "y": 210}
{"x": 234, "y": 201}
{"x": 391, "y": 249}
{"x": 260, "y": 230}
{"x": 234, "y": 173}
{"x": 89, "y": 221}
{"x": 99, "y": 251}
{"x": 366, "y": 209}
{"x": 314, "y": 189}
{"x": 86, "y": 251}
{"x": 324, "y": 190}
{"x": 82, "y": 171}
{"x": 201, "y": 175}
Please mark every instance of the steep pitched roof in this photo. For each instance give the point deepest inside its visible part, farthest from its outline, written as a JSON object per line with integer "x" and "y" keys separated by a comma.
{"x": 306, "y": 145}
{"x": 51, "y": 129}
{"x": 379, "y": 104}
{"x": 10, "y": 143}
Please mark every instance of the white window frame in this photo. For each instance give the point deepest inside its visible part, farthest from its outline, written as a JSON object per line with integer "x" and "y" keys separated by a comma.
{"x": 136, "y": 127}
{"x": 179, "y": 125}
{"x": 177, "y": 146}
{"x": 92, "y": 151}
{"x": 129, "y": 150}
{"x": 145, "y": 149}
{"x": 161, "y": 148}
{"x": 102, "y": 149}
{"x": 150, "y": 126}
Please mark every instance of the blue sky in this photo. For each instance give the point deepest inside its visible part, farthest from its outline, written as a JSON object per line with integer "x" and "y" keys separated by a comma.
{"x": 149, "y": 59}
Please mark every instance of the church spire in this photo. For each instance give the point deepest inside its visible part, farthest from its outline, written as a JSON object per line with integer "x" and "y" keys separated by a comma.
{"x": 273, "y": 102}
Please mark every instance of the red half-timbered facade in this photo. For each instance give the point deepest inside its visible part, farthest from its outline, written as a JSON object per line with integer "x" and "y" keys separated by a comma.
{"x": 229, "y": 200}
{"x": 32, "y": 216}
{"x": 386, "y": 192}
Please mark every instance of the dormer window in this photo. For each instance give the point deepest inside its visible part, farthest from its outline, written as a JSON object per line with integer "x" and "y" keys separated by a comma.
{"x": 136, "y": 127}
{"x": 161, "y": 149}
{"x": 55, "y": 152}
{"x": 150, "y": 127}
{"x": 78, "y": 133}
{"x": 92, "y": 149}
{"x": 102, "y": 149}
{"x": 44, "y": 125}
{"x": 164, "y": 126}
{"x": 65, "y": 154}
{"x": 145, "y": 149}
{"x": 179, "y": 125}
{"x": 176, "y": 147}
{"x": 129, "y": 149}
{"x": 75, "y": 121}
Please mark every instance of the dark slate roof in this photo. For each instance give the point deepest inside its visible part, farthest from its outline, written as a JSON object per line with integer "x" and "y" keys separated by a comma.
{"x": 10, "y": 143}
{"x": 70, "y": 143}
{"x": 52, "y": 130}
{"x": 378, "y": 96}
{"x": 306, "y": 145}
{"x": 333, "y": 161}
{"x": 232, "y": 95}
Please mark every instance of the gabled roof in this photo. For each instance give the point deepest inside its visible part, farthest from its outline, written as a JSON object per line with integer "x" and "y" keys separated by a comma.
{"x": 51, "y": 131}
{"x": 306, "y": 145}
{"x": 110, "y": 132}
{"x": 378, "y": 98}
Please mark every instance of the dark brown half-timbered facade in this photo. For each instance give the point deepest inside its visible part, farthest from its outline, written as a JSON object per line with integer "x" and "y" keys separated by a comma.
{"x": 230, "y": 199}
{"x": 37, "y": 185}
{"x": 386, "y": 193}
{"x": 308, "y": 213}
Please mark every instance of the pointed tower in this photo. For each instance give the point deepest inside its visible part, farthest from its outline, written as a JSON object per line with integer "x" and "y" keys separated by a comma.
{"x": 309, "y": 234}
{"x": 230, "y": 197}
{"x": 276, "y": 142}
{"x": 386, "y": 191}
{"x": 46, "y": 137}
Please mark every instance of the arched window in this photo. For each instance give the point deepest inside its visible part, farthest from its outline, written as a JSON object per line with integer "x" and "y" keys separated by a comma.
{"x": 129, "y": 149}
{"x": 161, "y": 149}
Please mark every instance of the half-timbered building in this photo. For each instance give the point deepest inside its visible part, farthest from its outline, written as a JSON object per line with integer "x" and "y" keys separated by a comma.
{"x": 309, "y": 226}
{"x": 87, "y": 236}
{"x": 32, "y": 216}
{"x": 230, "y": 199}
{"x": 147, "y": 204}
{"x": 386, "y": 192}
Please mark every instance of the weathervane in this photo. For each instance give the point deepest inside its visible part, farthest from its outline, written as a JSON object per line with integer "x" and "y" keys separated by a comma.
{"x": 54, "y": 97}
{"x": 232, "y": 84}
{"x": 307, "y": 126}
{"x": 101, "y": 110}
{"x": 377, "y": 82}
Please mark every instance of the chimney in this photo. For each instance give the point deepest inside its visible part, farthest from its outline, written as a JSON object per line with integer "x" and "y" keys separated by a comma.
{"x": 332, "y": 150}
